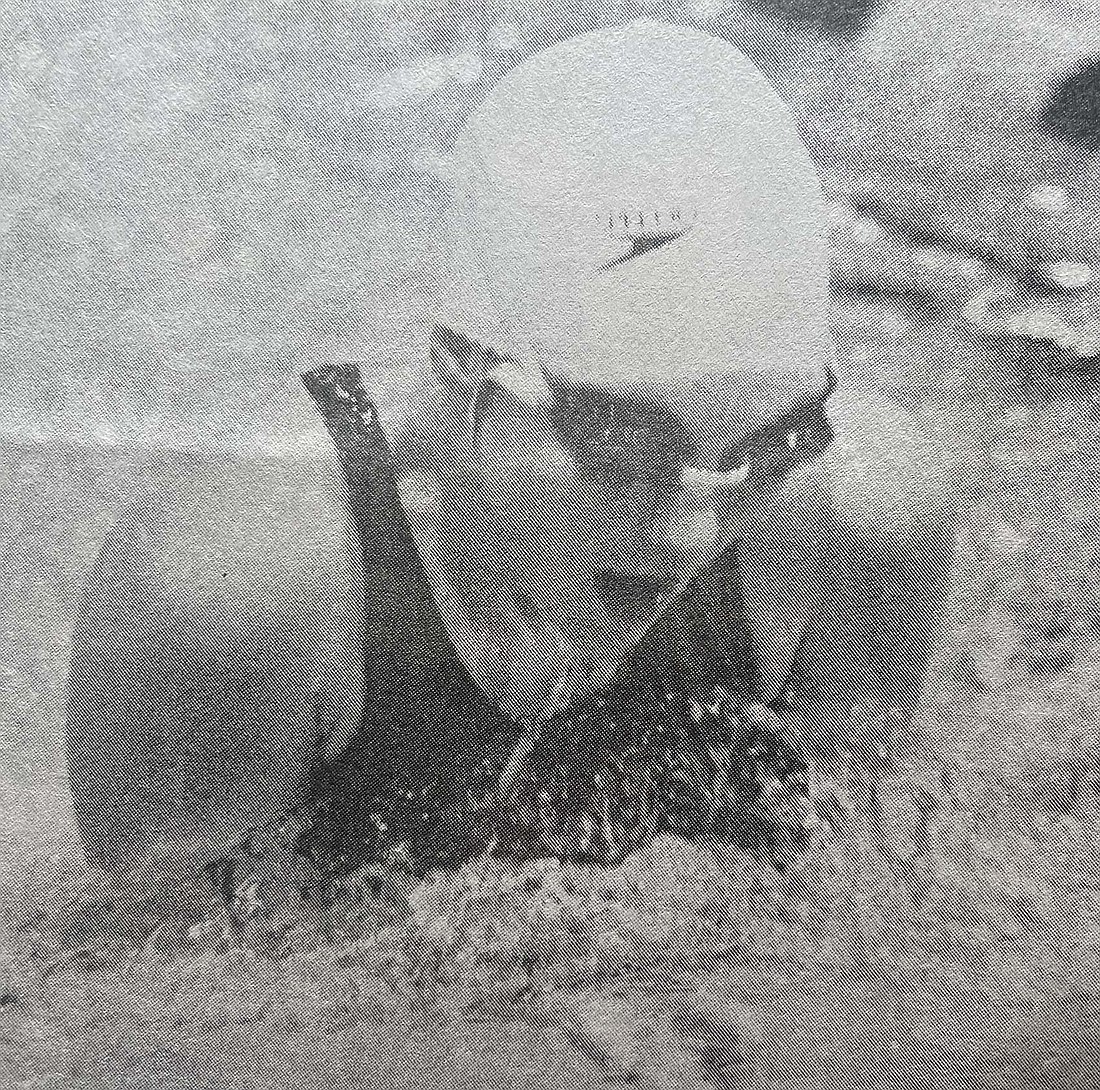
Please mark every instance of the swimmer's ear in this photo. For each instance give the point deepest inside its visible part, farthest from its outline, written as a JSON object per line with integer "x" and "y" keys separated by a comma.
{"x": 482, "y": 373}
{"x": 459, "y": 361}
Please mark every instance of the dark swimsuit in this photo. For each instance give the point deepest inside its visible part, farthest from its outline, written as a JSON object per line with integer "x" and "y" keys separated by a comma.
{"x": 664, "y": 749}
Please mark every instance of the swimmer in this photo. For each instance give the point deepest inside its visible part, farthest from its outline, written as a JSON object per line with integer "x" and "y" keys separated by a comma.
{"x": 628, "y": 413}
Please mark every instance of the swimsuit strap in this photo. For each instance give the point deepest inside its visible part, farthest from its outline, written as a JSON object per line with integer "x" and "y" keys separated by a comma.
{"x": 383, "y": 529}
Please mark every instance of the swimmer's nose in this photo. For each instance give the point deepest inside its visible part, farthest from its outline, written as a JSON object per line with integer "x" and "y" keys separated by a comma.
{"x": 703, "y": 514}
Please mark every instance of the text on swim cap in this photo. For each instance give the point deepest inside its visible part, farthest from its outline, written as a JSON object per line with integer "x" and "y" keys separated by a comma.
{"x": 632, "y": 222}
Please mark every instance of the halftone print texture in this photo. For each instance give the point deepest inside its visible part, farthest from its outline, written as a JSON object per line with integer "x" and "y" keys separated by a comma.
{"x": 550, "y": 544}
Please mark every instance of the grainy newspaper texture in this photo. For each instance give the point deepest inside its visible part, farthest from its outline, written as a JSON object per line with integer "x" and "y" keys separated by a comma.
{"x": 550, "y": 544}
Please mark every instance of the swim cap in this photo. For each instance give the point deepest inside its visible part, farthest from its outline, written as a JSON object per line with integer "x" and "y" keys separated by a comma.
{"x": 634, "y": 330}
{"x": 636, "y": 205}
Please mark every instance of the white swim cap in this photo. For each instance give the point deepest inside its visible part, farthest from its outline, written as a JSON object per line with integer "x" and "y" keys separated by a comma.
{"x": 664, "y": 143}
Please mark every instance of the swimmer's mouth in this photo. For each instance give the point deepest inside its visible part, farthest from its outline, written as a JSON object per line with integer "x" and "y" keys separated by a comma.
{"x": 627, "y": 591}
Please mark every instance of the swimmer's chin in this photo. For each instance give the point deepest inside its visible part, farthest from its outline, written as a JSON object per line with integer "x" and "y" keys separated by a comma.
{"x": 551, "y": 673}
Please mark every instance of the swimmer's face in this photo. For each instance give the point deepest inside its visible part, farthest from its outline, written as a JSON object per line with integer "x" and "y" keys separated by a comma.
{"x": 617, "y": 503}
